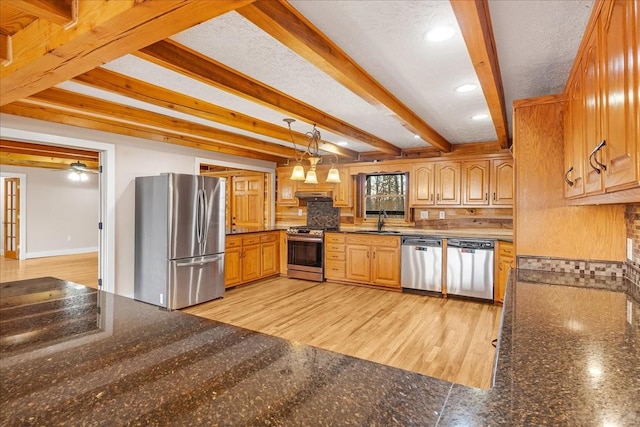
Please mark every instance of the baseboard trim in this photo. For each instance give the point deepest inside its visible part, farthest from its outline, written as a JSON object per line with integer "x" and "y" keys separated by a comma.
{"x": 74, "y": 251}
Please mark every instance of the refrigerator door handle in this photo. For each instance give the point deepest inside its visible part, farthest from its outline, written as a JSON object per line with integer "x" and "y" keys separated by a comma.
{"x": 200, "y": 261}
{"x": 200, "y": 212}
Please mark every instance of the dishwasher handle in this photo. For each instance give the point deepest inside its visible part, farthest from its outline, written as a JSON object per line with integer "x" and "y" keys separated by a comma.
{"x": 412, "y": 241}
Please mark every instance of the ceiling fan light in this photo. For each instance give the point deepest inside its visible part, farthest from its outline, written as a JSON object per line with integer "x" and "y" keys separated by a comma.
{"x": 298, "y": 173}
{"x": 333, "y": 175}
{"x": 467, "y": 87}
{"x": 441, "y": 33}
{"x": 312, "y": 178}
{"x": 74, "y": 176}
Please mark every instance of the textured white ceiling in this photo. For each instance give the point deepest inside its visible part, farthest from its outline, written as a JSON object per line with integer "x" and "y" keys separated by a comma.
{"x": 536, "y": 40}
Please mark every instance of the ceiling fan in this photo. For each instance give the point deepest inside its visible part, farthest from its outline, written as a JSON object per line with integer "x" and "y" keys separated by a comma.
{"x": 79, "y": 171}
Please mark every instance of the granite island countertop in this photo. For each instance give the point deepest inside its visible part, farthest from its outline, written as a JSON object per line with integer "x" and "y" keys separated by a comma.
{"x": 567, "y": 356}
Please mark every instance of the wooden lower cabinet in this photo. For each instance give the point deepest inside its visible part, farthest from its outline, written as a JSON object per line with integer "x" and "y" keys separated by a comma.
{"x": 334, "y": 256}
{"x": 249, "y": 257}
{"x": 504, "y": 263}
{"x": 371, "y": 260}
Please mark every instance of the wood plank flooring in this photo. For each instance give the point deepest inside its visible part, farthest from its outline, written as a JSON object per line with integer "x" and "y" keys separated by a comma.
{"x": 443, "y": 338}
{"x": 81, "y": 268}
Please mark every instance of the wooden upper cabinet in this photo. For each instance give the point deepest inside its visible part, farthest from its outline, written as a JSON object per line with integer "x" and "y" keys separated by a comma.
{"x": 286, "y": 188}
{"x": 422, "y": 184}
{"x": 574, "y": 158}
{"x": 475, "y": 182}
{"x": 447, "y": 183}
{"x": 592, "y": 132}
{"x": 342, "y": 191}
{"x": 247, "y": 195}
{"x": 502, "y": 188}
{"x": 619, "y": 52}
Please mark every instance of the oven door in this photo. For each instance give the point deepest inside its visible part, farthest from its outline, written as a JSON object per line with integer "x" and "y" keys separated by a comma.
{"x": 305, "y": 257}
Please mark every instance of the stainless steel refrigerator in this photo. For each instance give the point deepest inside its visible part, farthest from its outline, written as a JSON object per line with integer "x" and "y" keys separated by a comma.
{"x": 179, "y": 239}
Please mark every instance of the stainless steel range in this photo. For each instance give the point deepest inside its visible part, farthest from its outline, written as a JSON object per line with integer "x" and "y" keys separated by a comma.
{"x": 305, "y": 253}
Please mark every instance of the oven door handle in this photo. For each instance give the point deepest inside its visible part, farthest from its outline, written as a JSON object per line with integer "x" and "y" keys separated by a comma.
{"x": 294, "y": 238}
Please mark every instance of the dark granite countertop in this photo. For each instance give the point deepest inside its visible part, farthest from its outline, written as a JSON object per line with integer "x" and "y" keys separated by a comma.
{"x": 75, "y": 356}
{"x": 247, "y": 230}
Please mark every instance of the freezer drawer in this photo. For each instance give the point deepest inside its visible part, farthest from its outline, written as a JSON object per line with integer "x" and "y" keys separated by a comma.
{"x": 195, "y": 280}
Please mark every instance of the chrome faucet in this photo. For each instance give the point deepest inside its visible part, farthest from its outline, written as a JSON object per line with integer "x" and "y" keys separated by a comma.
{"x": 381, "y": 214}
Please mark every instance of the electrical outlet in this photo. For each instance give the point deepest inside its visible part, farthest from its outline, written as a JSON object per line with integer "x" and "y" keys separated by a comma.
{"x": 441, "y": 215}
{"x": 299, "y": 212}
{"x": 424, "y": 214}
{"x": 629, "y": 312}
{"x": 629, "y": 249}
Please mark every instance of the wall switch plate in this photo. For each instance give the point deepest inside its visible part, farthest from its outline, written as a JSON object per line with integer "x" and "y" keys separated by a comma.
{"x": 299, "y": 212}
{"x": 629, "y": 312}
{"x": 441, "y": 215}
{"x": 424, "y": 214}
{"x": 629, "y": 248}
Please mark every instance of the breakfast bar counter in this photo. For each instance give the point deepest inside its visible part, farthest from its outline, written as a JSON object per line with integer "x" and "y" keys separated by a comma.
{"x": 76, "y": 356}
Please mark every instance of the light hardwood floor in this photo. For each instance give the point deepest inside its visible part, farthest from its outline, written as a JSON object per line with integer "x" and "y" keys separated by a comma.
{"x": 443, "y": 338}
{"x": 81, "y": 268}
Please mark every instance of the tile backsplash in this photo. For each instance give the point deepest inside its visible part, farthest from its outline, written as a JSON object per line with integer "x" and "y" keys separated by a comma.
{"x": 323, "y": 215}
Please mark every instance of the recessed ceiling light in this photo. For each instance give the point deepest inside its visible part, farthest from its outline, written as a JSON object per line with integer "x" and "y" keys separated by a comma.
{"x": 467, "y": 87}
{"x": 479, "y": 117}
{"x": 416, "y": 136}
{"x": 441, "y": 33}
{"x": 342, "y": 143}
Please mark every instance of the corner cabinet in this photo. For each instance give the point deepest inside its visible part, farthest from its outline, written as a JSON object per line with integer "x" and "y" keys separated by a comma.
{"x": 602, "y": 124}
{"x": 504, "y": 263}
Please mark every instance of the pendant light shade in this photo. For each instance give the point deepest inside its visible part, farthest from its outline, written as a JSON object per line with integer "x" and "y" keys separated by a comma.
{"x": 334, "y": 175}
{"x": 298, "y": 173}
{"x": 312, "y": 178}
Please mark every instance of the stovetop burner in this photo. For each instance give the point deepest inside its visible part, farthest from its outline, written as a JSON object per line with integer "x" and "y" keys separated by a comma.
{"x": 313, "y": 231}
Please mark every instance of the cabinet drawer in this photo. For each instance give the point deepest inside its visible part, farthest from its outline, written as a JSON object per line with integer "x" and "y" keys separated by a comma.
{"x": 336, "y": 256}
{"x": 334, "y": 238}
{"x": 334, "y": 269}
{"x": 334, "y": 247}
{"x": 269, "y": 237}
{"x": 233, "y": 242}
{"x": 251, "y": 240}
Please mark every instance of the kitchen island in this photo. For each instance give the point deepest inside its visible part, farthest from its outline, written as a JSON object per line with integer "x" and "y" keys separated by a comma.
{"x": 73, "y": 355}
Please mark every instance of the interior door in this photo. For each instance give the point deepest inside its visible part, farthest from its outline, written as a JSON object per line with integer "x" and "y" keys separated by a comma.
{"x": 11, "y": 217}
{"x": 247, "y": 201}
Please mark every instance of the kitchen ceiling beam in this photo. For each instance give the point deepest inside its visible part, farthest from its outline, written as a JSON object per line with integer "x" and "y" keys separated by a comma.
{"x": 178, "y": 58}
{"x": 59, "y": 12}
{"x": 283, "y": 22}
{"x": 86, "y": 105}
{"x": 156, "y": 95}
{"x": 45, "y": 54}
{"x": 40, "y": 150}
{"x": 77, "y": 118}
{"x": 475, "y": 24}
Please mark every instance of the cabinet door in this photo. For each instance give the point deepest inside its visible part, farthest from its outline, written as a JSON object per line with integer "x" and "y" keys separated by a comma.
{"x": 501, "y": 182}
{"x": 475, "y": 182}
{"x": 422, "y": 185}
{"x": 574, "y": 139}
{"x": 386, "y": 266}
{"x": 250, "y": 262}
{"x": 504, "y": 264}
{"x": 269, "y": 265}
{"x": 286, "y": 188}
{"x": 448, "y": 183}
{"x": 358, "y": 263}
{"x": 619, "y": 115}
{"x": 342, "y": 191}
{"x": 247, "y": 207}
{"x": 592, "y": 133}
{"x": 232, "y": 266}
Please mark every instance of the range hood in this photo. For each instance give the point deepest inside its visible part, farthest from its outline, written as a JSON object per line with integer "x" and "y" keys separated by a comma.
{"x": 314, "y": 196}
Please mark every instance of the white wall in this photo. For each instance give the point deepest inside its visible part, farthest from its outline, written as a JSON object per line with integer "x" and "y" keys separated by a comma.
{"x": 133, "y": 157}
{"x": 62, "y": 216}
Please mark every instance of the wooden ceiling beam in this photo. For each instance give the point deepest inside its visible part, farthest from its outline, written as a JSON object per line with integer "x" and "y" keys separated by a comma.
{"x": 283, "y": 22}
{"x": 46, "y": 54}
{"x": 475, "y": 24}
{"x": 5, "y": 49}
{"x": 172, "y": 55}
{"x": 18, "y": 159}
{"x": 89, "y": 106}
{"x": 156, "y": 95}
{"x": 52, "y": 151}
{"x": 56, "y": 115}
{"x": 59, "y": 12}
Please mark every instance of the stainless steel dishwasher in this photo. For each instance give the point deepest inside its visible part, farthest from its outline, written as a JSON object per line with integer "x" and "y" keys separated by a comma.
{"x": 421, "y": 264}
{"x": 470, "y": 268}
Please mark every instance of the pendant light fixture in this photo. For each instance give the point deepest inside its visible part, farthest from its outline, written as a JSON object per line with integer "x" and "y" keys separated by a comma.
{"x": 313, "y": 156}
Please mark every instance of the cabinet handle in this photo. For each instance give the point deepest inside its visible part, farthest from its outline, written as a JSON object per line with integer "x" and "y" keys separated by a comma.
{"x": 431, "y": 197}
{"x": 566, "y": 177}
{"x": 438, "y": 196}
{"x": 592, "y": 158}
{"x": 494, "y": 196}
{"x": 486, "y": 196}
